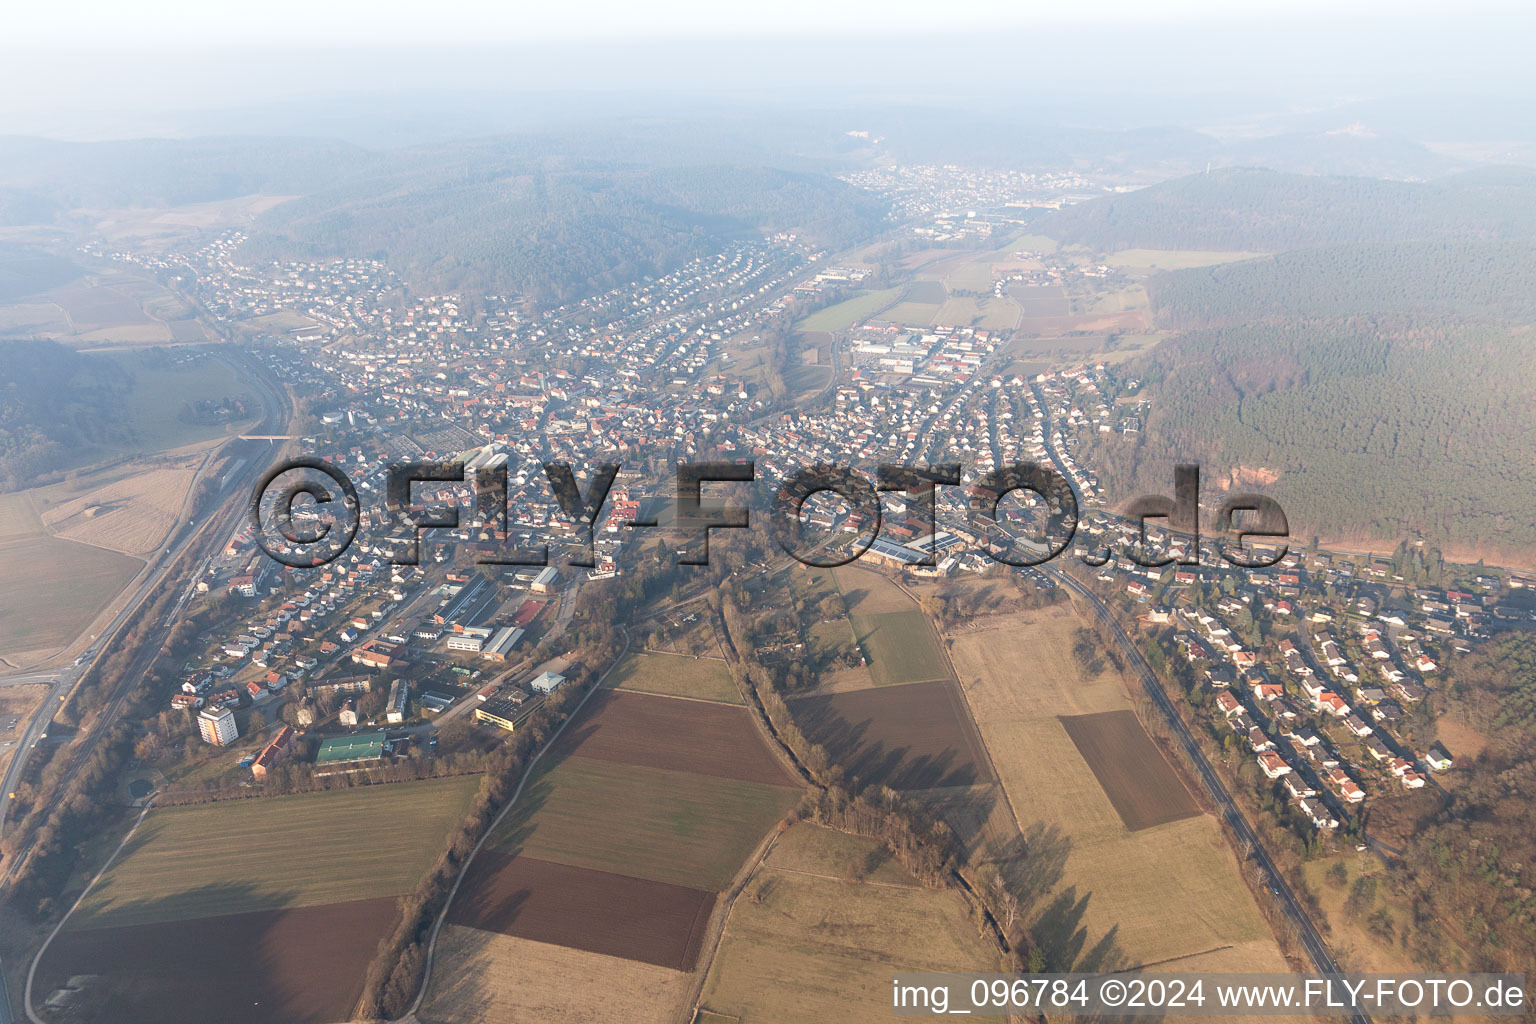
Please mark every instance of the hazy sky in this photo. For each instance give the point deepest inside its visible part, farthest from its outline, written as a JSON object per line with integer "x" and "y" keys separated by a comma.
{"x": 114, "y": 68}
{"x": 115, "y": 24}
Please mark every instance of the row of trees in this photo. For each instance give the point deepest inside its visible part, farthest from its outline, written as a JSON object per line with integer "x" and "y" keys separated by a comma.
{"x": 923, "y": 844}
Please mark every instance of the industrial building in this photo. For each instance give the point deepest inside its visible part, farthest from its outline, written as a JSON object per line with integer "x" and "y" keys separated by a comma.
{"x": 503, "y": 712}
{"x": 502, "y": 644}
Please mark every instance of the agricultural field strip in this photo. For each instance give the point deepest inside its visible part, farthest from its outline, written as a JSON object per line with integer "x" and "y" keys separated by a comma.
{"x": 676, "y": 675}
{"x": 675, "y": 734}
{"x": 304, "y": 850}
{"x": 901, "y": 647}
{"x": 616, "y": 915}
{"x": 818, "y": 945}
{"x": 1133, "y": 773}
{"x": 669, "y": 826}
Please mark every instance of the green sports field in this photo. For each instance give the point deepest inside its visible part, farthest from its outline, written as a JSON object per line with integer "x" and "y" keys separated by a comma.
{"x": 676, "y": 675}
{"x": 901, "y": 647}
{"x": 849, "y": 312}
{"x": 668, "y": 826}
{"x": 278, "y": 852}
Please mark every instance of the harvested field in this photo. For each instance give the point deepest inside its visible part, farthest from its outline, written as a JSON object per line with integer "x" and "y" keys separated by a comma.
{"x": 990, "y": 314}
{"x": 1131, "y": 321}
{"x": 676, "y": 675}
{"x": 1101, "y": 895}
{"x": 598, "y": 911}
{"x": 917, "y": 314}
{"x": 819, "y": 946}
{"x": 926, "y": 292}
{"x": 131, "y": 515}
{"x": 901, "y": 647}
{"x": 299, "y": 966}
{"x": 1134, "y": 773}
{"x": 676, "y": 735}
{"x": 868, "y": 593}
{"x": 484, "y": 978}
{"x": 310, "y": 849}
{"x": 668, "y": 826}
{"x": 51, "y": 590}
{"x": 90, "y": 305}
{"x": 915, "y": 736}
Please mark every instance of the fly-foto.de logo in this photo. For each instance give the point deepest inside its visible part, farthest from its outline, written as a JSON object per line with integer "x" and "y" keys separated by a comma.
{"x": 317, "y": 531}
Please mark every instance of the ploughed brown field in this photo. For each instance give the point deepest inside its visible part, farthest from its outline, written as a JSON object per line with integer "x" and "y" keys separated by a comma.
{"x": 677, "y": 735}
{"x": 1138, "y": 780}
{"x": 299, "y": 966}
{"x": 911, "y": 736}
{"x": 598, "y": 911}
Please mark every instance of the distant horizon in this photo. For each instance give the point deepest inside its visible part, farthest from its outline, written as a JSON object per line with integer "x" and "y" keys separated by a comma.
{"x": 1115, "y": 73}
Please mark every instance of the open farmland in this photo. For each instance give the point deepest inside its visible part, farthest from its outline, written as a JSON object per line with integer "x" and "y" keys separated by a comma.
{"x": 50, "y": 589}
{"x": 1134, "y": 773}
{"x": 818, "y": 943}
{"x": 916, "y": 314}
{"x": 669, "y": 826}
{"x": 1041, "y": 300}
{"x": 302, "y": 965}
{"x": 867, "y": 592}
{"x": 901, "y": 647}
{"x": 676, "y": 675}
{"x": 1102, "y": 895}
{"x": 622, "y": 839}
{"x": 914, "y": 736}
{"x": 845, "y": 314}
{"x": 482, "y": 977}
{"x": 292, "y": 851}
{"x": 157, "y": 404}
{"x": 676, "y": 735}
{"x": 598, "y": 911}
{"x": 992, "y": 314}
{"x": 131, "y": 515}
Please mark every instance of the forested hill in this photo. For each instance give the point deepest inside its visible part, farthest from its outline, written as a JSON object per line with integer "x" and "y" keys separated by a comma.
{"x": 53, "y": 402}
{"x": 1370, "y": 429}
{"x": 1266, "y": 211}
{"x": 552, "y": 232}
{"x": 1474, "y": 278}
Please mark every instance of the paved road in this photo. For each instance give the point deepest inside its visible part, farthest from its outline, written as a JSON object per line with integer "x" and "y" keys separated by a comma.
{"x": 150, "y": 583}
{"x": 1306, "y": 933}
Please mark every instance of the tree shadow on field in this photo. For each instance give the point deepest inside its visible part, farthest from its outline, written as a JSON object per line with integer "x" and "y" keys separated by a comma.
{"x": 870, "y": 760}
{"x": 1061, "y": 935}
{"x": 150, "y": 961}
{"x": 1031, "y": 862}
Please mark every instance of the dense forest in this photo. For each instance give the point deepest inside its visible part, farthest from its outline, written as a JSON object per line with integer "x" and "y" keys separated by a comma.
{"x": 551, "y": 230}
{"x": 1364, "y": 428}
{"x": 53, "y": 402}
{"x": 1266, "y": 211}
{"x": 1467, "y": 277}
{"x": 1469, "y": 872}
